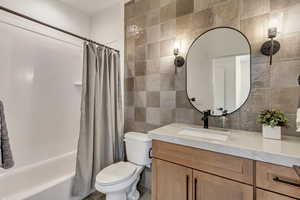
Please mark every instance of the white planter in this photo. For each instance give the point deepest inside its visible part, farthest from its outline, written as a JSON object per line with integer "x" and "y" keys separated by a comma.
{"x": 272, "y": 133}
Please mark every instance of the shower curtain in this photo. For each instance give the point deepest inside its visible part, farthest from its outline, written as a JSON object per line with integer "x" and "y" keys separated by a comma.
{"x": 101, "y": 127}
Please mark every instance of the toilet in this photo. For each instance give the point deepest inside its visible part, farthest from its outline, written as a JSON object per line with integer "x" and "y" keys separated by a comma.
{"x": 119, "y": 181}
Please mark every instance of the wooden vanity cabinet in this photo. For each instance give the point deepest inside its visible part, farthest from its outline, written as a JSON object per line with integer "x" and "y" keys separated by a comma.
{"x": 210, "y": 187}
{"x": 171, "y": 181}
{"x": 279, "y": 179}
{"x": 175, "y": 182}
{"x": 265, "y": 195}
{"x": 186, "y": 173}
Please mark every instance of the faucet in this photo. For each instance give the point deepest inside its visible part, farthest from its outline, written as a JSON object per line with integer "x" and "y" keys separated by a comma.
{"x": 206, "y": 114}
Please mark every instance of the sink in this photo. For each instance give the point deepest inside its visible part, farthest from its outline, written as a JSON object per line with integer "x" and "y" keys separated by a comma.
{"x": 211, "y": 134}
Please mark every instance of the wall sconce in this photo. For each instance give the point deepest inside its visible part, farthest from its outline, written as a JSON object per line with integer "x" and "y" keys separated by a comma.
{"x": 179, "y": 60}
{"x": 272, "y": 46}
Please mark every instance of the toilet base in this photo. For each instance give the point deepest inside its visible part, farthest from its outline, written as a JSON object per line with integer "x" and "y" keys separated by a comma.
{"x": 116, "y": 196}
{"x": 133, "y": 193}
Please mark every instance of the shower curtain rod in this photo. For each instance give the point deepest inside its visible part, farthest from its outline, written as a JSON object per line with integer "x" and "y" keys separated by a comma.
{"x": 55, "y": 28}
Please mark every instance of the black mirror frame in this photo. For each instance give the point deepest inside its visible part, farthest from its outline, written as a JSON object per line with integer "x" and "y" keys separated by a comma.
{"x": 186, "y": 64}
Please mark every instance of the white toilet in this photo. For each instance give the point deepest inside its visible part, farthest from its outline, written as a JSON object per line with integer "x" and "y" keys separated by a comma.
{"x": 119, "y": 181}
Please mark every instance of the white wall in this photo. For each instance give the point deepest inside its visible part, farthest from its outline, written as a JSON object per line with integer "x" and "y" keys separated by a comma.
{"x": 107, "y": 27}
{"x": 52, "y": 12}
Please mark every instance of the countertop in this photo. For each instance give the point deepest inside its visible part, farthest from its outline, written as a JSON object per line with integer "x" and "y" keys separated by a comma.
{"x": 244, "y": 144}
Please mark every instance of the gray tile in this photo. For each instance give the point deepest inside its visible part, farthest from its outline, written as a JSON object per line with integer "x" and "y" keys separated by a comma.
{"x": 184, "y": 115}
{"x": 153, "y": 50}
{"x": 184, "y": 7}
{"x": 153, "y": 99}
{"x": 168, "y": 30}
{"x": 166, "y": 2}
{"x": 291, "y": 130}
{"x": 140, "y": 99}
{"x": 167, "y": 82}
{"x": 203, "y": 19}
{"x": 285, "y": 99}
{"x": 140, "y": 114}
{"x": 141, "y": 38}
{"x": 168, "y": 99}
{"x": 140, "y": 21}
{"x": 167, "y": 65}
{"x": 180, "y": 81}
{"x": 290, "y": 46}
{"x": 150, "y": 68}
{"x": 140, "y": 52}
{"x": 184, "y": 24}
{"x": 168, "y": 12}
{"x": 129, "y": 113}
{"x": 182, "y": 100}
{"x": 129, "y": 10}
{"x": 285, "y": 74}
{"x": 154, "y": 4}
{"x": 153, "y": 34}
{"x": 254, "y": 8}
{"x": 129, "y": 84}
{"x": 153, "y": 67}
{"x": 258, "y": 100}
{"x": 140, "y": 68}
{"x": 167, "y": 116}
{"x": 201, "y": 5}
{"x": 260, "y": 75}
{"x": 166, "y": 47}
{"x": 129, "y": 98}
{"x": 139, "y": 83}
{"x": 141, "y": 7}
{"x": 140, "y": 127}
{"x": 256, "y": 28}
{"x": 227, "y": 14}
{"x": 153, "y": 82}
{"x": 280, "y": 4}
{"x": 153, "y": 116}
{"x": 153, "y": 17}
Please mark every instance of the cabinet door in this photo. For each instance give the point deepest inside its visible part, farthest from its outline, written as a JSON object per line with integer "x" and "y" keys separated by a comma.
{"x": 264, "y": 195}
{"x": 171, "y": 181}
{"x": 210, "y": 187}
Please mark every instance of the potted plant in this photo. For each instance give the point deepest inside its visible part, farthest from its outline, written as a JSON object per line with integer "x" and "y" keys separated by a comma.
{"x": 272, "y": 121}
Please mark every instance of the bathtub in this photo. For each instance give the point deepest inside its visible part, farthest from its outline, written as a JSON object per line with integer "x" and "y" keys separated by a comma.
{"x": 46, "y": 180}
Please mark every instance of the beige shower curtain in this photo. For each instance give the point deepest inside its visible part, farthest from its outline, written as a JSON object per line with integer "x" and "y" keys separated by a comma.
{"x": 101, "y": 127}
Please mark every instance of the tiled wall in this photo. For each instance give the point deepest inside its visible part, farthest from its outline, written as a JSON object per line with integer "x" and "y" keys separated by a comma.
{"x": 155, "y": 95}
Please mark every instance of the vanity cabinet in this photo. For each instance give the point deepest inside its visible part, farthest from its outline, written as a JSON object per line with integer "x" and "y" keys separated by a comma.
{"x": 173, "y": 182}
{"x": 265, "y": 195}
{"x": 280, "y": 179}
{"x": 210, "y": 187}
{"x": 186, "y": 173}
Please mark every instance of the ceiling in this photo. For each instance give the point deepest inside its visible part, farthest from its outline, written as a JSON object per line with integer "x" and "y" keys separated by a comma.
{"x": 90, "y": 6}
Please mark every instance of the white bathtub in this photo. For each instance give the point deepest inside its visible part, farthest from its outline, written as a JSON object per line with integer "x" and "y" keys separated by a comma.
{"x": 47, "y": 180}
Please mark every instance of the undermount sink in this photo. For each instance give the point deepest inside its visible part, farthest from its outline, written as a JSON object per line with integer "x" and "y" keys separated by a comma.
{"x": 211, "y": 134}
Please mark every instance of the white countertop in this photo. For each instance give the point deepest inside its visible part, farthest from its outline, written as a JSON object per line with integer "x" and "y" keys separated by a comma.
{"x": 244, "y": 144}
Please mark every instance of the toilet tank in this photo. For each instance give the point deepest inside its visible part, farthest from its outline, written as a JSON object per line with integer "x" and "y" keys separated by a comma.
{"x": 138, "y": 146}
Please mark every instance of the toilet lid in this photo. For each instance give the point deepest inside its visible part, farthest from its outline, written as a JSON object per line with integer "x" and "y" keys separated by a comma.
{"x": 116, "y": 173}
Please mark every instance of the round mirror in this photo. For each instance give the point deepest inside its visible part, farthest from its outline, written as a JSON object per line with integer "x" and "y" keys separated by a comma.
{"x": 219, "y": 71}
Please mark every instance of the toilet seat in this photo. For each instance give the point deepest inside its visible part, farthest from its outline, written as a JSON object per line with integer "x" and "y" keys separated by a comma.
{"x": 116, "y": 173}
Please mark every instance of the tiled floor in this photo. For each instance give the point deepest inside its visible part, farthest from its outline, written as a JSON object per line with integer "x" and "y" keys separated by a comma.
{"x": 97, "y": 196}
